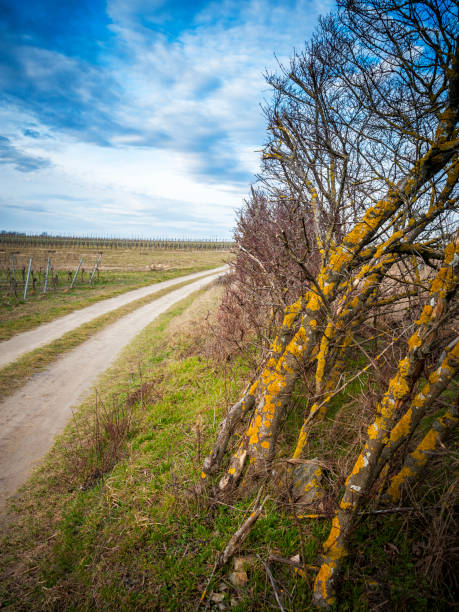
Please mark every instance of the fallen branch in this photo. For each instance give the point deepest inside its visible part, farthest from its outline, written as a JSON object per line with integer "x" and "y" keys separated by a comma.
{"x": 241, "y": 534}
{"x": 235, "y": 542}
{"x": 368, "y": 512}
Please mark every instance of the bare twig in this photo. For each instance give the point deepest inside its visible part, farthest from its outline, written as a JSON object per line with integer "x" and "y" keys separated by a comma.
{"x": 369, "y": 512}
{"x": 241, "y": 534}
{"x": 235, "y": 542}
{"x": 273, "y": 584}
{"x": 295, "y": 564}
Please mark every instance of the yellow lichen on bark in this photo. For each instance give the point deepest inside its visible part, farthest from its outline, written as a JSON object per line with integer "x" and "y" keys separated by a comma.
{"x": 253, "y": 388}
{"x": 426, "y": 315}
{"x": 275, "y": 346}
{"x": 403, "y": 427}
{"x": 438, "y": 285}
{"x": 375, "y": 428}
{"x": 330, "y": 545}
{"x": 301, "y": 443}
{"x": 314, "y": 302}
{"x": 394, "y": 489}
{"x": 414, "y": 342}
{"x": 438, "y": 381}
{"x": 333, "y": 552}
{"x": 385, "y": 245}
{"x": 292, "y": 312}
{"x": 358, "y": 465}
{"x": 321, "y": 583}
{"x": 322, "y": 354}
{"x": 283, "y": 366}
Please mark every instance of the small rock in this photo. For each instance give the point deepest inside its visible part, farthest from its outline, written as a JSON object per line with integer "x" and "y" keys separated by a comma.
{"x": 242, "y": 563}
{"x": 217, "y": 597}
{"x": 233, "y": 602}
{"x": 295, "y": 558}
{"x": 239, "y": 579}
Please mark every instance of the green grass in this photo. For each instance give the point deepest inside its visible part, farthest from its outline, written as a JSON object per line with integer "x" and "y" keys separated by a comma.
{"x": 102, "y": 526}
{"x": 141, "y": 489}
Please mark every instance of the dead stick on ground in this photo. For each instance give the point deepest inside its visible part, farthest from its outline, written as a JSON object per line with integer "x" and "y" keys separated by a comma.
{"x": 367, "y": 512}
{"x": 242, "y": 533}
{"x": 295, "y": 564}
{"x": 237, "y": 539}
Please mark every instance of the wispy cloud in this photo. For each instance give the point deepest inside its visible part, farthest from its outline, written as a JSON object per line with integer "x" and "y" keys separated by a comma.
{"x": 144, "y": 101}
{"x": 9, "y": 154}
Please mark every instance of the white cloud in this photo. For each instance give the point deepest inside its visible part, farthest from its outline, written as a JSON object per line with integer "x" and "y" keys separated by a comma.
{"x": 187, "y": 117}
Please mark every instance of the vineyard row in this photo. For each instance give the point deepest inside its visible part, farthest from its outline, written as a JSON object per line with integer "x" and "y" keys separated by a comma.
{"x": 23, "y": 240}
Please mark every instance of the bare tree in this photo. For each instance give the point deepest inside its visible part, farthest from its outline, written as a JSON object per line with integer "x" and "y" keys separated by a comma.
{"x": 363, "y": 152}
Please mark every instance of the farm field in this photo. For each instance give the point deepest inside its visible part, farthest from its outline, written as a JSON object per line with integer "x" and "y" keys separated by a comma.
{"x": 120, "y": 270}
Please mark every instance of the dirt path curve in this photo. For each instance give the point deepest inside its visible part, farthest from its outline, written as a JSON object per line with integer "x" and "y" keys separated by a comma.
{"x": 12, "y": 349}
{"x": 34, "y": 415}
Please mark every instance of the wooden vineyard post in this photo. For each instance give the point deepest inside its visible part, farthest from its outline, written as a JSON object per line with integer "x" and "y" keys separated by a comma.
{"x": 13, "y": 267}
{"x": 14, "y": 284}
{"x": 76, "y": 273}
{"x": 94, "y": 270}
{"x": 48, "y": 265}
{"x": 27, "y": 279}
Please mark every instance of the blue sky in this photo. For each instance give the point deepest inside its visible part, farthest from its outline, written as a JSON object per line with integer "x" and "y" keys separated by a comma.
{"x": 135, "y": 117}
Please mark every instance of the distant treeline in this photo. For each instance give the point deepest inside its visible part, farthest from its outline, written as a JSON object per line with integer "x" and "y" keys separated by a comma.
{"x": 91, "y": 242}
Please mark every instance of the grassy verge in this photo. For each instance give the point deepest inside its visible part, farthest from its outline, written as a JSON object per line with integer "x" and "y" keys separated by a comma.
{"x": 180, "y": 392}
{"x": 17, "y": 316}
{"x": 110, "y": 521}
{"x": 17, "y": 373}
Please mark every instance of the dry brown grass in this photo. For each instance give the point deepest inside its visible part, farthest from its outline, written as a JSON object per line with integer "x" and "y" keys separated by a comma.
{"x": 195, "y": 325}
{"x": 98, "y": 443}
{"x": 113, "y": 259}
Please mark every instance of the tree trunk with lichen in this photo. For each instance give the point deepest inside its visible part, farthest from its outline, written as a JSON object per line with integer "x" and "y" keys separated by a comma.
{"x": 271, "y": 391}
{"x": 319, "y": 330}
{"x": 417, "y": 460}
{"x": 443, "y": 289}
{"x": 273, "y": 387}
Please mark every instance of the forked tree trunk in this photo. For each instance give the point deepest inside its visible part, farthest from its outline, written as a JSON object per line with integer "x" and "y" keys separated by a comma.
{"x": 443, "y": 289}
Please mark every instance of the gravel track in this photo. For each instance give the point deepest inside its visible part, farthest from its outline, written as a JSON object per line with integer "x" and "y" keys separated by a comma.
{"x": 32, "y": 417}
{"x": 18, "y": 345}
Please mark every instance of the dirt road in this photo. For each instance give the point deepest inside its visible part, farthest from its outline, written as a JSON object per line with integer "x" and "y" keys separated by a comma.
{"x": 33, "y": 416}
{"x": 12, "y": 349}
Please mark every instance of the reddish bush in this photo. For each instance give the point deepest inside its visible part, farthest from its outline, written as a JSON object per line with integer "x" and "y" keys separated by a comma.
{"x": 275, "y": 253}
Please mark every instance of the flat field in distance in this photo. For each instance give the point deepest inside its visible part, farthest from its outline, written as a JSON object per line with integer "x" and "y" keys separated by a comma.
{"x": 121, "y": 269}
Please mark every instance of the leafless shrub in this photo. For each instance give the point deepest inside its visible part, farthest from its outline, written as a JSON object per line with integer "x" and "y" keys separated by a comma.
{"x": 273, "y": 240}
{"x": 97, "y": 443}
